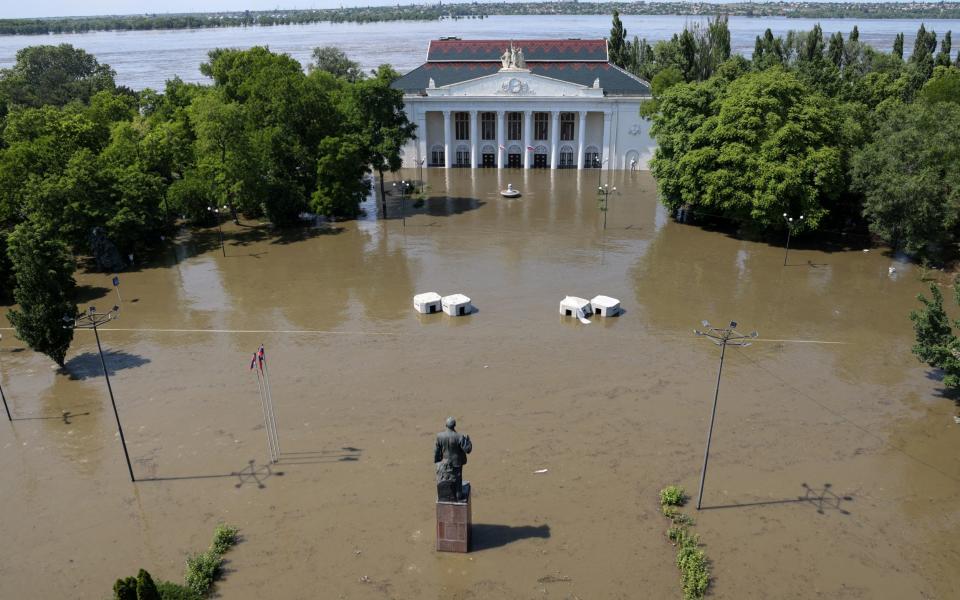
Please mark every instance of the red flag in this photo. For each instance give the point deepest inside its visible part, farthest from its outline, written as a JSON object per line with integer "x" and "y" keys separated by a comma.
{"x": 530, "y": 148}
{"x": 261, "y": 356}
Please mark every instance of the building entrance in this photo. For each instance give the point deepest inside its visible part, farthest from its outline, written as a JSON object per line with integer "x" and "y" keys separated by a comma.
{"x": 514, "y": 161}
{"x": 488, "y": 160}
{"x": 540, "y": 161}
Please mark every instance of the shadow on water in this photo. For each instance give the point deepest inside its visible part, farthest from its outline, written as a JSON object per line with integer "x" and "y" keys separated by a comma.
{"x": 251, "y": 475}
{"x": 89, "y": 293}
{"x": 87, "y": 365}
{"x": 484, "y": 536}
{"x": 67, "y": 417}
{"x": 344, "y": 454}
{"x": 824, "y": 499}
{"x": 435, "y": 206}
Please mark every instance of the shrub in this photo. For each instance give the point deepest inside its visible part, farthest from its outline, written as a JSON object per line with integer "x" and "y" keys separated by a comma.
{"x": 125, "y": 589}
{"x": 672, "y": 495}
{"x": 224, "y": 538}
{"x": 693, "y": 567}
{"x": 174, "y": 591}
{"x": 146, "y": 588}
{"x": 202, "y": 570}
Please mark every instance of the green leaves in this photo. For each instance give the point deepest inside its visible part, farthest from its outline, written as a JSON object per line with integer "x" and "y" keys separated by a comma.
{"x": 936, "y": 344}
{"x": 751, "y": 150}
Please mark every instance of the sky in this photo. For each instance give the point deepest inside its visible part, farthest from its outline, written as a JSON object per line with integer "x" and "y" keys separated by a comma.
{"x": 11, "y": 9}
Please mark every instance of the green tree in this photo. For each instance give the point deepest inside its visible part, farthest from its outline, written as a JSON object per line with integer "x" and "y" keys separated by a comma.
{"x": 146, "y": 588}
{"x": 617, "y": 44}
{"x": 944, "y": 86}
{"x": 333, "y": 60}
{"x": 54, "y": 75}
{"x": 943, "y": 57}
{"x": 909, "y": 176}
{"x": 45, "y": 289}
{"x": 125, "y": 589}
{"x": 898, "y": 46}
{"x": 751, "y": 150}
{"x": 936, "y": 344}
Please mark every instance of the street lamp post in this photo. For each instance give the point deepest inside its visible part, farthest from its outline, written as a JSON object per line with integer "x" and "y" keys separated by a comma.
{"x": 790, "y": 225}
{"x": 91, "y": 320}
{"x": 402, "y": 186}
{"x": 216, "y": 214}
{"x": 2, "y": 395}
{"x": 606, "y": 190}
{"x": 723, "y": 337}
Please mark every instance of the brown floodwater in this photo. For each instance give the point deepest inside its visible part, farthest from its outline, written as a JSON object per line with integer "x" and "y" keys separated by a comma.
{"x": 834, "y": 469}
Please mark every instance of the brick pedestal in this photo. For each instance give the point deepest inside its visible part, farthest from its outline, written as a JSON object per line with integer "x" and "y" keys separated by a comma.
{"x": 453, "y": 526}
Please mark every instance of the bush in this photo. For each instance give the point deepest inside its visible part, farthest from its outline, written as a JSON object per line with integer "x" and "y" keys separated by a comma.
{"x": 202, "y": 570}
{"x": 676, "y": 516}
{"x": 146, "y": 588}
{"x": 224, "y": 538}
{"x": 672, "y": 495}
{"x": 125, "y": 589}
{"x": 693, "y": 567}
{"x": 174, "y": 591}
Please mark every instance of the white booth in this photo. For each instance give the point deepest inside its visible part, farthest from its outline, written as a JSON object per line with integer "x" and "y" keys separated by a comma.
{"x": 428, "y": 303}
{"x": 572, "y": 306}
{"x": 605, "y": 306}
{"x": 456, "y": 305}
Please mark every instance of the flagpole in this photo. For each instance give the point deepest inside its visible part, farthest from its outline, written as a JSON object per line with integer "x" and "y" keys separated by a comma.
{"x": 270, "y": 405}
{"x": 263, "y": 407}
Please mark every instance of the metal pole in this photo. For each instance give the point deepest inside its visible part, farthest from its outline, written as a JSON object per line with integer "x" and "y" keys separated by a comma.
{"x": 123, "y": 440}
{"x": 606, "y": 201}
{"x": 403, "y": 205}
{"x": 789, "y": 231}
{"x": 273, "y": 414}
{"x": 713, "y": 416}
{"x": 5, "y": 407}
{"x": 220, "y": 227}
{"x": 266, "y": 424}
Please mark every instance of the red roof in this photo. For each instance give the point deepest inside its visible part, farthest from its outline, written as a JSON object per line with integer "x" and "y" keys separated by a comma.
{"x": 456, "y": 50}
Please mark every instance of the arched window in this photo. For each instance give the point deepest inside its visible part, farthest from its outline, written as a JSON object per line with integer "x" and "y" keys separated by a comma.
{"x": 566, "y": 158}
{"x": 632, "y": 160}
{"x": 462, "y": 156}
{"x": 437, "y": 158}
{"x": 488, "y": 149}
{"x": 591, "y": 158}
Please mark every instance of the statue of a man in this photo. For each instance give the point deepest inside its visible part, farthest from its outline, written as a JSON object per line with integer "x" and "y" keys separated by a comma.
{"x": 505, "y": 59}
{"x": 518, "y": 61}
{"x": 450, "y": 454}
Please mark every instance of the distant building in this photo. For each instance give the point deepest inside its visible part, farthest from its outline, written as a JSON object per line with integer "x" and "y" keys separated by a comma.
{"x": 552, "y": 104}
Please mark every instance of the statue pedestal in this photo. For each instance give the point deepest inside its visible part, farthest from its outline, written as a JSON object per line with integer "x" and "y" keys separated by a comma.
{"x": 453, "y": 526}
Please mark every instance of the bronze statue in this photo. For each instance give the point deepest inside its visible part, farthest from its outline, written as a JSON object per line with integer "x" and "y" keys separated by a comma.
{"x": 450, "y": 454}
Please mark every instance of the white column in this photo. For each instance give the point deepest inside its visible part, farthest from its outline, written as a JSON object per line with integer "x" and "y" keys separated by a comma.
{"x": 501, "y": 139}
{"x": 606, "y": 141}
{"x": 527, "y": 138}
{"x": 446, "y": 139}
{"x": 473, "y": 138}
{"x": 554, "y": 137}
{"x": 422, "y": 137}
{"x": 582, "y": 135}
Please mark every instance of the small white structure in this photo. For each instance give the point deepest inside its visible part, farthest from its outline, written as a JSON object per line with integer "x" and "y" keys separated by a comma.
{"x": 456, "y": 305}
{"x": 572, "y": 306}
{"x": 605, "y": 306}
{"x": 427, "y": 304}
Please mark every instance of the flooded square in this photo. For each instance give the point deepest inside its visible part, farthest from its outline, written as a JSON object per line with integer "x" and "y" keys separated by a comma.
{"x": 834, "y": 468}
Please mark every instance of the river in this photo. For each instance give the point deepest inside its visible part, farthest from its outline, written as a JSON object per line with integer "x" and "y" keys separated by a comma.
{"x": 149, "y": 58}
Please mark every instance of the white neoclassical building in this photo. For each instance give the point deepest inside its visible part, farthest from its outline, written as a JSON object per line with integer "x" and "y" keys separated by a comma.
{"x": 551, "y": 104}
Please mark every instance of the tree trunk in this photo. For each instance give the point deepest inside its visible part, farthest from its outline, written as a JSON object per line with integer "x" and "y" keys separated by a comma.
{"x": 383, "y": 194}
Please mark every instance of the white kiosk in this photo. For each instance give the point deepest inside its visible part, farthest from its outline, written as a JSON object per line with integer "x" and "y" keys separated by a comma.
{"x": 605, "y": 306}
{"x": 572, "y": 306}
{"x": 427, "y": 304}
{"x": 456, "y": 305}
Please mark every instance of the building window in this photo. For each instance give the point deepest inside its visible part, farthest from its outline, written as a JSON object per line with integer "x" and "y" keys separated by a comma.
{"x": 566, "y": 126}
{"x": 566, "y": 158}
{"x": 461, "y": 121}
{"x": 436, "y": 157}
{"x": 514, "y": 126}
{"x": 541, "y": 125}
{"x": 488, "y": 126}
{"x": 591, "y": 158}
{"x": 463, "y": 157}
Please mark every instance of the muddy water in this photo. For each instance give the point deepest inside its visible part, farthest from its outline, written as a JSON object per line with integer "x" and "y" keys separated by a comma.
{"x": 834, "y": 469}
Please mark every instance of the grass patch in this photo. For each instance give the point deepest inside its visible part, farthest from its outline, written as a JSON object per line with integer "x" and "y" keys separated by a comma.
{"x": 692, "y": 562}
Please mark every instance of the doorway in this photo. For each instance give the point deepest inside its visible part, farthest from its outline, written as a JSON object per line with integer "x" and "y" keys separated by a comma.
{"x": 514, "y": 161}
{"x": 488, "y": 160}
{"x": 540, "y": 161}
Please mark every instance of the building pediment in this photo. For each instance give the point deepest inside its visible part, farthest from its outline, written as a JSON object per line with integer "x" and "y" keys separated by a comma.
{"x": 514, "y": 82}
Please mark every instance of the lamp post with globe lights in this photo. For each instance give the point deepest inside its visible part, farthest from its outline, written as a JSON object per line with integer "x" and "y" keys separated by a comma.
{"x": 790, "y": 225}
{"x": 605, "y": 190}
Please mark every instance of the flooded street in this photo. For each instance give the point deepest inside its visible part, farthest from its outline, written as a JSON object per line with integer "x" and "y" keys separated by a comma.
{"x": 834, "y": 469}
